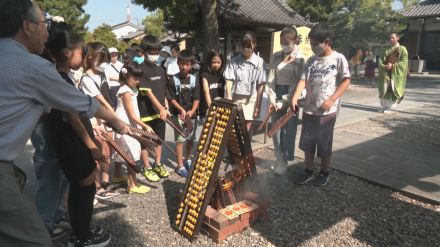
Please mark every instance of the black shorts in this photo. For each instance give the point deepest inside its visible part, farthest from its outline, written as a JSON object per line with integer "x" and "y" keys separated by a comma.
{"x": 75, "y": 159}
{"x": 158, "y": 125}
{"x": 317, "y": 134}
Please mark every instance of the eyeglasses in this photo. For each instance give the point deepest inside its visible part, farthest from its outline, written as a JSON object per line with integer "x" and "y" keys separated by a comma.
{"x": 45, "y": 22}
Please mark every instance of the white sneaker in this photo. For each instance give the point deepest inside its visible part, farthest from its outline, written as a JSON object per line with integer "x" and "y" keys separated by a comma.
{"x": 280, "y": 169}
{"x": 387, "y": 111}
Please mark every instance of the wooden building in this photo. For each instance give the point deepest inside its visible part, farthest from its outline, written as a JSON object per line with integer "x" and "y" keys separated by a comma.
{"x": 264, "y": 17}
{"x": 422, "y": 36}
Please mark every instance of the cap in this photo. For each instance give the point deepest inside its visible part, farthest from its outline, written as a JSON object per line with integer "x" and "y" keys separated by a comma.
{"x": 112, "y": 50}
{"x": 166, "y": 49}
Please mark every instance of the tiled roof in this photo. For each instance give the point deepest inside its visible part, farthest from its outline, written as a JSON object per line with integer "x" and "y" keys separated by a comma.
{"x": 425, "y": 9}
{"x": 266, "y": 12}
{"x": 132, "y": 35}
{"x": 126, "y": 23}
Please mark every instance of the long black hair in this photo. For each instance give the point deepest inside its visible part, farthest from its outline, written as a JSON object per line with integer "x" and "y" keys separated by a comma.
{"x": 211, "y": 54}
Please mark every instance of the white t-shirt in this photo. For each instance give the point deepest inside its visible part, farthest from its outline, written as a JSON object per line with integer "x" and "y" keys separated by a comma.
{"x": 113, "y": 71}
{"x": 172, "y": 66}
{"x": 90, "y": 84}
{"x": 322, "y": 74}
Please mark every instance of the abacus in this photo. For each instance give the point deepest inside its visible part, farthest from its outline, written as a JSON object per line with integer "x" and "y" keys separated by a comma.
{"x": 128, "y": 159}
{"x": 224, "y": 128}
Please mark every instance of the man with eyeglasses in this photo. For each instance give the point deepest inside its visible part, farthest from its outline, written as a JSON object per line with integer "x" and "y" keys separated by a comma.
{"x": 29, "y": 84}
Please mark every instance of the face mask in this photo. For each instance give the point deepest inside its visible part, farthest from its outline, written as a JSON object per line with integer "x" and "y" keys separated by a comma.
{"x": 318, "y": 49}
{"x": 139, "y": 60}
{"x": 153, "y": 58}
{"x": 101, "y": 67}
{"x": 288, "y": 48}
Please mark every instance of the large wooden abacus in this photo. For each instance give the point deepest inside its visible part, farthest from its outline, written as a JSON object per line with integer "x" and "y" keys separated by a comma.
{"x": 224, "y": 128}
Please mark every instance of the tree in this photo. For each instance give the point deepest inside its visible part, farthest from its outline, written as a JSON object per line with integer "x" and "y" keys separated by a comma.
{"x": 71, "y": 10}
{"x": 105, "y": 35}
{"x": 356, "y": 23}
{"x": 316, "y": 10}
{"x": 154, "y": 24}
{"x": 182, "y": 16}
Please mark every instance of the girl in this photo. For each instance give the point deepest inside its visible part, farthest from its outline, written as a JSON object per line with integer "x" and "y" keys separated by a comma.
{"x": 286, "y": 71}
{"x": 213, "y": 81}
{"x": 245, "y": 77}
{"x": 127, "y": 109}
{"x": 75, "y": 147}
{"x": 94, "y": 83}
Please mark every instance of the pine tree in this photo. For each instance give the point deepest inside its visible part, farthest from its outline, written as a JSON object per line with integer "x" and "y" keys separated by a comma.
{"x": 71, "y": 10}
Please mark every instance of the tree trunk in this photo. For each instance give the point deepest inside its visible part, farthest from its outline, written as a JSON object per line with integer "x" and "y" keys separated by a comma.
{"x": 210, "y": 33}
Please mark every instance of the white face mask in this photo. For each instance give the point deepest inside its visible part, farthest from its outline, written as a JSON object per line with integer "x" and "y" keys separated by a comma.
{"x": 101, "y": 67}
{"x": 153, "y": 58}
{"x": 288, "y": 48}
{"x": 318, "y": 49}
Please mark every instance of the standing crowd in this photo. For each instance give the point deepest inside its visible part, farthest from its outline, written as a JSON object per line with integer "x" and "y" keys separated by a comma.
{"x": 69, "y": 120}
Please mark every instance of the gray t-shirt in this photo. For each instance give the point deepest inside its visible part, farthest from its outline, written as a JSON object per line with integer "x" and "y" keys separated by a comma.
{"x": 322, "y": 74}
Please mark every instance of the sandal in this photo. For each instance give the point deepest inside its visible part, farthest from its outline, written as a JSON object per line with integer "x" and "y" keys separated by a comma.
{"x": 105, "y": 194}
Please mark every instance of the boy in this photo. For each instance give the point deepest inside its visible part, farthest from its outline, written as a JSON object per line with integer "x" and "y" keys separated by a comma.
{"x": 184, "y": 93}
{"x": 322, "y": 73}
{"x": 152, "y": 103}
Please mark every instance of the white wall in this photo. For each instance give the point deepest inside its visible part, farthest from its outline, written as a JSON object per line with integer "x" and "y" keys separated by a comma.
{"x": 124, "y": 30}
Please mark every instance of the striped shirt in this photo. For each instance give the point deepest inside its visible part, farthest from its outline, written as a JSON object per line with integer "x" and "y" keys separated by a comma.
{"x": 30, "y": 84}
{"x": 245, "y": 74}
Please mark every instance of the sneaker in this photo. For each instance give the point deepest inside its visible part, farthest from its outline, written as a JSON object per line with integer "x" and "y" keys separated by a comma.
{"x": 96, "y": 240}
{"x": 187, "y": 165}
{"x": 306, "y": 177}
{"x": 95, "y": 202}
{"x": 151, "y": 175}
{"x": 141, "y": 189}
{"x": 280, "y": 169}
{"x": 95, "y": 230}
{"x": 105, "y": 194}
{"x": 57, "y": 233}
{"x": 322, "y": 179}
{"x": 119, "y": 180}
{"x": 181, "y": 171}
{"x": 387, "y": 111}
{"x": 160, "y": 170}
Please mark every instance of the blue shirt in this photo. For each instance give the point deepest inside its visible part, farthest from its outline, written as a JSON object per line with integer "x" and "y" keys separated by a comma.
{"x": 28, "y": 85}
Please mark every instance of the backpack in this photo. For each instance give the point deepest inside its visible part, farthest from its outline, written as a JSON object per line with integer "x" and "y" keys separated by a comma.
{"x": 192, "y": 83}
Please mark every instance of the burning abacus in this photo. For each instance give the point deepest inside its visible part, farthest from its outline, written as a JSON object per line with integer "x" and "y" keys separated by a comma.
{"x": 224, "y": 128}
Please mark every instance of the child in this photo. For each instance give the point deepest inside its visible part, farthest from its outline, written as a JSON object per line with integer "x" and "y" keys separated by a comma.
{"x": 152, "y": 103}
{"x": 213, "y": 81}
{"x": 94, "y": 83}
{"x": 76, "y": 149}
{"x": 127, "y": 110}
{"x": 184, "y": 93}
{"x": 245, "y": 78}
{"x": 323, "y": 72}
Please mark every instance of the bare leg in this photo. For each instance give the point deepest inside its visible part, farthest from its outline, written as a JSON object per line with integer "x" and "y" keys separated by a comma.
{"x": 189, "y": 145}
{"x": 325, "y": 163}
{"x": 144, "y": 157}
{"x": 131, "y": 178}
{"x": 308, "y": 161}
{"x": 158, "y": 152}
{"x": 179, "y": 152}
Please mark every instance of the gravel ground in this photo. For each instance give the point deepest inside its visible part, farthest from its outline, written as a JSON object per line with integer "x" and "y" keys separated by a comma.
{"x": 347, "y": 212}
